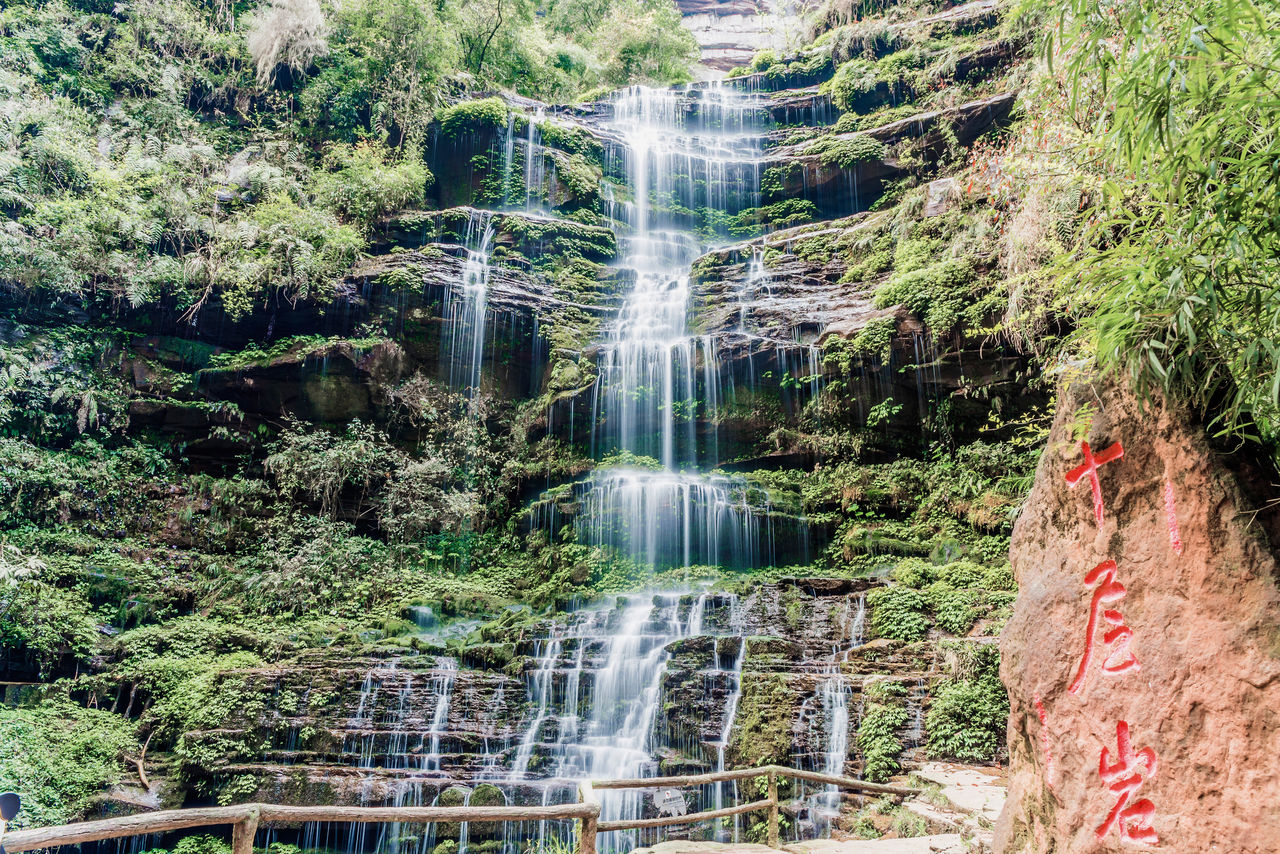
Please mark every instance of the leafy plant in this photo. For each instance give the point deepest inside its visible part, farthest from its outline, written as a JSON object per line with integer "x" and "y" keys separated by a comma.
{"x": 1177, "y": 103}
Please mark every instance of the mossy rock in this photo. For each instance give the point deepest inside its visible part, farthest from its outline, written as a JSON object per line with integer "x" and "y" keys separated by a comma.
{"x": 454, "y": 796}
{"x": 774, "y": 647}
{"x": 701, "y": 647}
{"x": 486, "y": 795}
{"x": 488, "y": 656}
{"x": 766, "y": 714}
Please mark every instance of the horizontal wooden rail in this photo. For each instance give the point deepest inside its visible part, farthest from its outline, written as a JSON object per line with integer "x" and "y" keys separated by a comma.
{"x": 691, "y": 818}
{"x": 246, "y": 818}
{"x": 845, "y": 782}
{"x": 760, "y": 771}
{"x": 686, "y": 780}
{"x": 168, "y": 820}
{"x": 771, "y": 772}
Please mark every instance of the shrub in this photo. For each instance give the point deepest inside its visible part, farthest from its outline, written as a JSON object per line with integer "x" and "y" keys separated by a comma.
{"x": 60, "y": 756}
{"x": 937, "y": 293}
{"x": 898, "y": 613}
{"x": 470, "y": 116}
{"x": 954, "y": 610}
{"x": 365, "y": 182}
{"x": 967, "y": 718}
{"x": 999, "y": 578}
{"x": 878, "y": 740}
{"x": 961, "y": 574}
{"x": 914, "y": 572}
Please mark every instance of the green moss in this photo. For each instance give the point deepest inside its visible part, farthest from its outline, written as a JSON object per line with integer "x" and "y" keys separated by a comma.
{"x": 766, "y": 712}
{"x": 938, "y": 293}
{"x": 471, "y": 116}
{"x": 846, "y": 151}
{"x": 573, "y": 140}
{"x": 787, "y": 212}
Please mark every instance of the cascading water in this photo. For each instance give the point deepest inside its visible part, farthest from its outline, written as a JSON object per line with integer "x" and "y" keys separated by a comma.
{"x": 834, "y": 694}
{"x": 668, "y": 518}
{"x": 695, "y": 151}
{"x": 468, "y": 304}
{"x": 730, "y": 713}
{"x": 594, "y": 687}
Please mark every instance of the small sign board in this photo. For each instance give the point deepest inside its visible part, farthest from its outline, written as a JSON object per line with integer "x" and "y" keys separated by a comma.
{"x": 670, "y": 802}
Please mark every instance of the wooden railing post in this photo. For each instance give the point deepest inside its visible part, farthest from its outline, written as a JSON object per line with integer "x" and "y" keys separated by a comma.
{"x": 243, "y": 832}
{"x": 773, "y": 809}
{"x": 591, "y": 822}
{"x": 587, "y": 841}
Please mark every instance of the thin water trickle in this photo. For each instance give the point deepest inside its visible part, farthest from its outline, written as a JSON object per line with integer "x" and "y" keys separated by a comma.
{"x": 468, "y": 306}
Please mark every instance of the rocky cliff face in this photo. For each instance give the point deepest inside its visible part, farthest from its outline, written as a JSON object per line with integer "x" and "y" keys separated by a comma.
{"x": 729, "y": 32}
{"x": 1143, "y": 657}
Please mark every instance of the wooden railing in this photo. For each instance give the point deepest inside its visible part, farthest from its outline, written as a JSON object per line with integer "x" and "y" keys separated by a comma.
{"x": 586, "y": 792}
{"x": 245, "y": 818}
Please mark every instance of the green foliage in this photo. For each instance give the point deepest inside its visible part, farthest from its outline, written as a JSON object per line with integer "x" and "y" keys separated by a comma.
{"x": 157, "y": 154}
{"x": 999, "y": 578}
{"x": 205, "y": 844}
{"x": 362, "y": 184}
{"x": 60, "y": 756}
{"x": 470, "y": 116}
{"x": 939, "y": 293}
{"x": 876, "y": 338}
{"x": 384, "y": 71}
{"x": 882, "y": 718}
{"x": 846, "y": 151}
{"x": 1178, "y": 102}
{"x": 967, "y": 717}
{"x": 955, "y": 611}
{"x": 898, "y": 613}
{"x": 907, "y": 824}
{"x": 914, "y": 572}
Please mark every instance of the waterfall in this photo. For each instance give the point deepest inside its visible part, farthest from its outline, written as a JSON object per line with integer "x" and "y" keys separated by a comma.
{"x": 467, "y": 306}
{"x": 730, "y": 713}
{"x": 696, "y": 151}
{"x": 622, "y": 644}
{"x": 533, "y": 166}
{"x": 540, "y": 687}
{"x": 834, "y": 694}
{"x": 443, "y": 691}
{"x": 667, "y": 518}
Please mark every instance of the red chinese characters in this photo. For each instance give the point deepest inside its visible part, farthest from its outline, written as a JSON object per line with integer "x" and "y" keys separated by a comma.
{"x": 1089, "y": 468}
{"x": 1123, "y": 777}
{"x": 1117, "y": 638}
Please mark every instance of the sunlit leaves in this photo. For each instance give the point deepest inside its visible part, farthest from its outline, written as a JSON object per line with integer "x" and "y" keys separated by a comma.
{"x": 1184, "y": 104}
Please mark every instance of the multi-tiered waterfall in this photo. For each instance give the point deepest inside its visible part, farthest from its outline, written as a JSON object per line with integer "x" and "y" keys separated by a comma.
{"x": 594, "y": 687}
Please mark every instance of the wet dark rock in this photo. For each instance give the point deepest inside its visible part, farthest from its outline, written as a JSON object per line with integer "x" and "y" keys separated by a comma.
{"x": 774, "y": 647}
{"x": 837, "y": 189}
{"x": 489, "y": 656}
{"x": 829, "y": 586}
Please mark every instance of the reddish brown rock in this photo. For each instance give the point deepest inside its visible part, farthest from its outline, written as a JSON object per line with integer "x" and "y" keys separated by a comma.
{"x": 1205, "y": 617}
